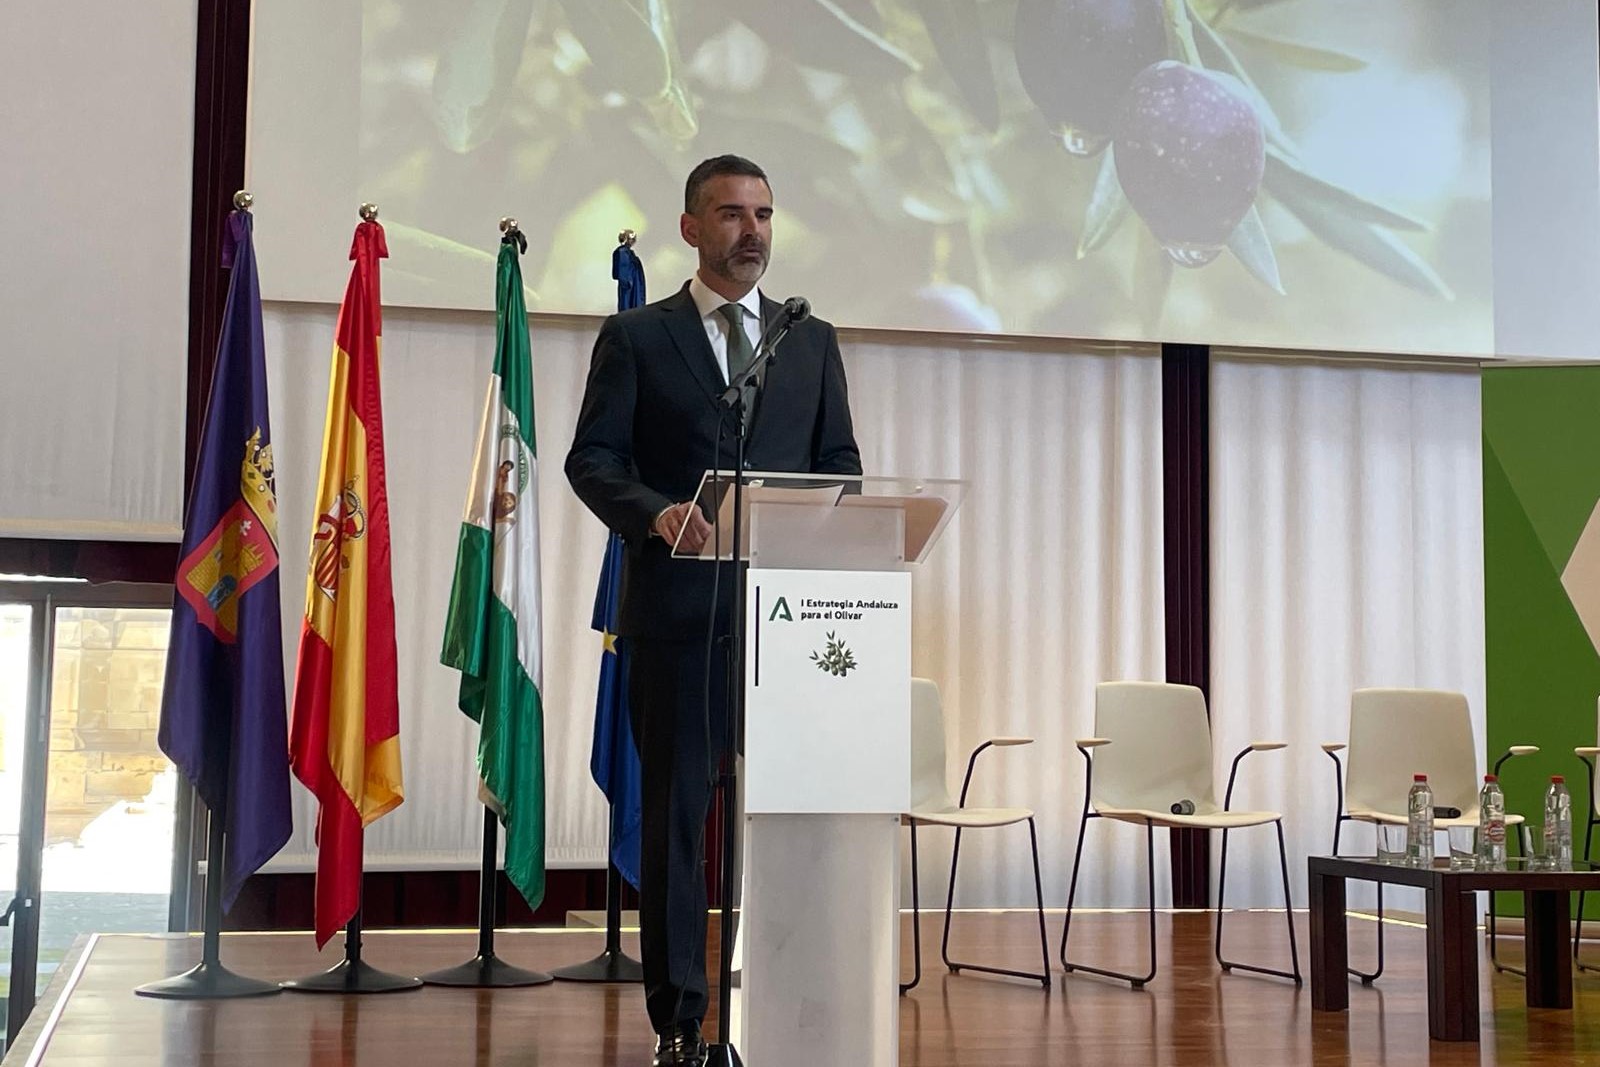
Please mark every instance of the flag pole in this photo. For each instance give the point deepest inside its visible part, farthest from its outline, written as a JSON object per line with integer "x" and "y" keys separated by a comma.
{"x": 486, "y": 970}
{"x": 352, "y": 974}
{"x": 210, "y": 980}
{"x": 612, "y": 965}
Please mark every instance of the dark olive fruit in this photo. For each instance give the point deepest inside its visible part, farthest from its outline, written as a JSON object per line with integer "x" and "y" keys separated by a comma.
{"x": 1076, "y": 58}
{"x": 1190, "y": 154}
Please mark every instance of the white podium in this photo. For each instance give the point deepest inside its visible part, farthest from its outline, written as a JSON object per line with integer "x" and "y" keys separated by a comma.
{"x": 827, "y": 756}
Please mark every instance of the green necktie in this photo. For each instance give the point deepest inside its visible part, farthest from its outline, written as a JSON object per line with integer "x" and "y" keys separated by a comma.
{"x": 739, "y": 351}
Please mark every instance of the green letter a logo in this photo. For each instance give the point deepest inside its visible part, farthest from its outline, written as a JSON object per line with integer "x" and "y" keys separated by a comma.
{"x": 781, "y": 611}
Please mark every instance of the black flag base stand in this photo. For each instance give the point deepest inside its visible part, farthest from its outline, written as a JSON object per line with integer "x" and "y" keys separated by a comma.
{"x": 486, "y": 970}
{"x": 352, "y": 974}
{"x": 612, "y": 965}
{"x": 210, "y": 980}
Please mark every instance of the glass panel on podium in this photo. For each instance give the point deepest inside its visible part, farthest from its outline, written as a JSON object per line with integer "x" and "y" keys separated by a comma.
{"x": 837, "y": 521}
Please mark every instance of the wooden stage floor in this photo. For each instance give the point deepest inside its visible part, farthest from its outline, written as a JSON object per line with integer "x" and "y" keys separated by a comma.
{"x": 1191, "y": 1015}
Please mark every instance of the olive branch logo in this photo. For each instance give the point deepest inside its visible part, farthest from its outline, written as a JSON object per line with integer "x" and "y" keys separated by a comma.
{"x": 837, "y": 660}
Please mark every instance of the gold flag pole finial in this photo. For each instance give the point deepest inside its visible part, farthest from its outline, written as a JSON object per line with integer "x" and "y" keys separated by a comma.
{"x": 627, "y": 237}
{"x": 369, "y": 212}
{"x": 509, "y": 225}
{"x": 243, "y": 200}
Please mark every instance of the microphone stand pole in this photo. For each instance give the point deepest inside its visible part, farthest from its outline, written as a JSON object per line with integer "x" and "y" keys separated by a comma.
{"x": 723, "y": 1053}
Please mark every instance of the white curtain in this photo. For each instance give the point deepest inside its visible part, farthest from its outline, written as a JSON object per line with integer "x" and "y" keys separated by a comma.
{"x": 1048, "y": 580}
{"x": 1346, "y": 551}
{"x": 435, "y": 372}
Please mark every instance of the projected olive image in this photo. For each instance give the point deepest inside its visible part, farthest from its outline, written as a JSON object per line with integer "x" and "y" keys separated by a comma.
{"x": 1296, "y": 172}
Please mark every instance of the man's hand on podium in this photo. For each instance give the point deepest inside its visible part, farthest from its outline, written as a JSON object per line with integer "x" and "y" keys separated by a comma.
{"x": 672, "y": 521}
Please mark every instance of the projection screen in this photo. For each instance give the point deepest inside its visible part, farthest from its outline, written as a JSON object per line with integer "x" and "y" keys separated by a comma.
{"x": 1351, "y": 175}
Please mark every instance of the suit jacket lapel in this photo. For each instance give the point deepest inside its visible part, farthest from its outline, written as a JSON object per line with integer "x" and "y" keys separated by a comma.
{"x": 688, "y": 335}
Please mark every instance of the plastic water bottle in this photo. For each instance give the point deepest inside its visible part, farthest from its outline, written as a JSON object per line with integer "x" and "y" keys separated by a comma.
{"x": 1419, "y": 825}
{"x": 1491, "y": 826}
{"x": 1558, "y": 824}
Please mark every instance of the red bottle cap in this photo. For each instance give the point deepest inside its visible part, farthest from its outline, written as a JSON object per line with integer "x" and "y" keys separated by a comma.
{"x": 1490, "y": 778}
{"x": 1554, "y": 778}
{"x": 1419, "y": 777}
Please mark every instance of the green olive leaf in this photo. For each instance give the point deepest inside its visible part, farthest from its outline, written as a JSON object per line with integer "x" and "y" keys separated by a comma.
{"x": 1295, "y": 54}
{"x": 1373, "y": 245}
{"x": 1108, "y": 207}
{"x": 1251, "y": 246}
{"x": 1292, "y": 183}
{"x": 472, "y": 80}
{"x": 956, "y": 29}
{"x": 824, "y": 35}
{"x": 623, "y": 45}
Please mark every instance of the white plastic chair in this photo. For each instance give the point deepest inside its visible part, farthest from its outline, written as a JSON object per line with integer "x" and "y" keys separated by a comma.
{"x": 1152, "y": 750}
{"x": 1398, "y": 733}
{"x": 1588, "y": 754}
{"x": 931, "y": 806}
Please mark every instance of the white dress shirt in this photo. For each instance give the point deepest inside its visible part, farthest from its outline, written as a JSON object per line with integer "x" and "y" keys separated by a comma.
{"x": 707, "y": 301}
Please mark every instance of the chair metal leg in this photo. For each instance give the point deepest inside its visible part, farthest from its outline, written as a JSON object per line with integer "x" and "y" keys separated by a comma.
{"x": 1150, "y": 868}
{"x": 1367, "y": 978}
{"x": 1577, "y": 936}
{"x": 916, "y": 919}
{"x": 1038, "y": 896}
{"x": 1222, "y": 882}
{"x": 949, "y": 904}
{"x": 957, "y": 966}
{"x": 1072, "y": 887}
{"x": 1489, "y": 920}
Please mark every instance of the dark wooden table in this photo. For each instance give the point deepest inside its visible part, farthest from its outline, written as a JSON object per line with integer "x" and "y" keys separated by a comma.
{"x": 1452, "y": 933}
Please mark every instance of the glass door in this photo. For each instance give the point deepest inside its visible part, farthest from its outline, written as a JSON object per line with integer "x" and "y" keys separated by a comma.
{"x": 109, "y": 805}
{"x": 17, "y": 657}
{"x": 86, "y": 796}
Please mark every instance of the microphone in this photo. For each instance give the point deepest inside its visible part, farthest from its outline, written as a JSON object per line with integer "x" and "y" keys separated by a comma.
{"x": 795, "y": 309}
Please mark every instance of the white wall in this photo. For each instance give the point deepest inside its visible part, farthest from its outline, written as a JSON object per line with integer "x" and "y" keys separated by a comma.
{"x": 97, "y": 128}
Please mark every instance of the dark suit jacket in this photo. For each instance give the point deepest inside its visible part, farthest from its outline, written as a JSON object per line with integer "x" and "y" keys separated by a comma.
{"x": 648, "y": 431}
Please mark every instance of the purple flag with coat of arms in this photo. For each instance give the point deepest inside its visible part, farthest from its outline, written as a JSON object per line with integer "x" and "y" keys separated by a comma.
{"x": 222, "y": 713}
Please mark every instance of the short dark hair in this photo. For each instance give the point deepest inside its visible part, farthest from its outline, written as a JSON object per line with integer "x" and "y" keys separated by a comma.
{"x": 717, "y": 167}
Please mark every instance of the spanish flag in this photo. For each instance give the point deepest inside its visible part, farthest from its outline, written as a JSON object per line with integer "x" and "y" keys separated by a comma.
{"x": 344, "y": 741}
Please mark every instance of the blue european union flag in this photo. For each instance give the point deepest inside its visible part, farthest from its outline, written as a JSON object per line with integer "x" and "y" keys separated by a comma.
{"x": 614, "y": 761}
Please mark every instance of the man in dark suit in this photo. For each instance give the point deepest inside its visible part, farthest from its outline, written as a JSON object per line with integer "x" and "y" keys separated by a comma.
{"x": 651, "y": 424}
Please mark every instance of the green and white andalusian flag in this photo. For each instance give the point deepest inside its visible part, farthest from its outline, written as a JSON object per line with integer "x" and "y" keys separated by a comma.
{"x": 492, "y": 634}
